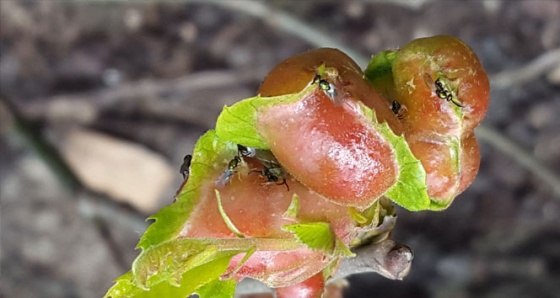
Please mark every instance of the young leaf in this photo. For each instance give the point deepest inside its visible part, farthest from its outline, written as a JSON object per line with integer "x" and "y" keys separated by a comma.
{"x": 194, "y": 279}
{"x": 317, "y": 236}
{"x": 217, "y": 289}
{"x": 293, "y": 208}
{"x": 369, "y": 216}
{"x": 410, "y": 191}
{"x": 357, "y": 216}
{"x": 166, "y": 262}
{"x": 199, "y": 276}
{"x": 379, "y": 73}
{"x": 380, "y": 65}
{"x": 169, "y": 261}
{"x": 340, "y": 249}
{"x": 332, "y": 149}
{"x": 169, "y": 221}
{"x": 125, "y": 287}
{"x": 238, "y": 122}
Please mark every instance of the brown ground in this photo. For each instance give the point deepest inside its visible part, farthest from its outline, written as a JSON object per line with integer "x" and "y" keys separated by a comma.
{"x": 501, "y": 238}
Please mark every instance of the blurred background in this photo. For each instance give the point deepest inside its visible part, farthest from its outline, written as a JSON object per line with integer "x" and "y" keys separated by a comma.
{"x": 122, "y": 90}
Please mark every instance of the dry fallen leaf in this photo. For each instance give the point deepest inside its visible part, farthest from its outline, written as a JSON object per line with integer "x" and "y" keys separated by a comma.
{"x": 121, "y": 169}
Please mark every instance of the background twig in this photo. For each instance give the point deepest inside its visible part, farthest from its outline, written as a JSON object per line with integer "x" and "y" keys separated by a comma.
{"x": 528, "y": 72}
{"x": 508, "y": 147}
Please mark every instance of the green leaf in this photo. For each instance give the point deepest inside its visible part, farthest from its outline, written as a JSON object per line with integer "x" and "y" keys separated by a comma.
{"x": 203, "y": 277}
{"x": 238, "y": 122}
{"x": 180, "y": 267}
{"x": 357, "y": 216}
{"x": 341, "y": 250}
{"x": 165, "y": 261}
{"x": 168, "y": 261}
{"x": 293, "y": 209}
{"x": 380, "y": 65}
{"x": 126, "y": 288}
{"x": 317, "y": 235}
{"x": 379, "y": 73}
{"x": 169, "y": 221}
{"x": 371, "y": 215}
{"x": 217, "y": 289}
{"x": 204, "y": 274}
{"x": 410, "y": 191}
